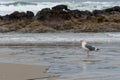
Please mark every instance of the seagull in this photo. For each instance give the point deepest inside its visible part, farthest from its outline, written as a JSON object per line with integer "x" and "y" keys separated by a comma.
{"x": 87, "y": 47}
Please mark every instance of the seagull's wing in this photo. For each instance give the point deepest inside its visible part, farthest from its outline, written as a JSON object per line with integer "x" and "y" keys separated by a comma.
{"x": 91, "y": 48}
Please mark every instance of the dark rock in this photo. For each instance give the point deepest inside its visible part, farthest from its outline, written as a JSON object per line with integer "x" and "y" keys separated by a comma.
{"x": 45, "y": 10}
{"x": 112, "y": 10}
{"x": 97, "y": 12}
{"x": 61, "y": 15}
{"x": 19, "y": 15}
{"x": 15, "y": 16}
{"x": 86, "y": 13}
{"x": 60, "y": 8}
{"x": 78, "y": 13}
{"x": 116, "y": 8}
{"x": 29, "y": 14}
{"x": 75, "y": 13}
{"x": 41, "y": 15}
{"x": 1, "y": 17}
{"x": 60, "y": 12}
{"x": 48, "y": 14}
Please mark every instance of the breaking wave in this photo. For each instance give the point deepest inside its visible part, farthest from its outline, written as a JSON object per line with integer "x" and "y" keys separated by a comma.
{"x": 56, "y": 39}
{"x": 18, "y": 3}
{"x": 7, "y": 7}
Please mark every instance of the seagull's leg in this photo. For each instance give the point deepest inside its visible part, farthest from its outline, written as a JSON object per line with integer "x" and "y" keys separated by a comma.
{"x": 88, "y": 53}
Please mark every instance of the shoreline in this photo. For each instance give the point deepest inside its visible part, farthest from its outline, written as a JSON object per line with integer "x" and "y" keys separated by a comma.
{"x": 13, "y": 71}
{"x": 61, "y": 19}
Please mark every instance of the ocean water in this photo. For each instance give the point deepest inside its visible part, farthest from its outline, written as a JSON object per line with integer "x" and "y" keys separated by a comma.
{"x": 63, "y": 54}
{"x": 9, "y": 6}
{"x": 35, "y": 39}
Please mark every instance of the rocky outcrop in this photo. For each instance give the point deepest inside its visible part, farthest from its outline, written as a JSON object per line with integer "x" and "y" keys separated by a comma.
{"x": 58, "y": 12}
{"x": 61, "y": 18}
{"x": 79, "y": 14}
{"x": 113, "y": 10}
{"x": 29, "y": 14}
{"x": 43, "y": 14}
{"x": 60, "y": 8}
{"x": 19, "y": 15}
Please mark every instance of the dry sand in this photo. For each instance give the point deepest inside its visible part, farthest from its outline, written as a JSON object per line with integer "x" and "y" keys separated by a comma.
{"x": 9, "y": 71}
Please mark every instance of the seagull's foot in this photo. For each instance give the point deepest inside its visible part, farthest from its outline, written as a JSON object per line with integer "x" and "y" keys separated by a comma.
{"x": 88, "y": 55}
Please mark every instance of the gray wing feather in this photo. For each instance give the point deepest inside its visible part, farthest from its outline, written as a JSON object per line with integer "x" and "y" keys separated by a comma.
{"x": 91, "y": 48}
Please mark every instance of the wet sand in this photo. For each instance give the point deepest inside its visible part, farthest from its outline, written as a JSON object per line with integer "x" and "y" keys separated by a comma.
{"x": 68, "y": 61}
{"x": 10, "y": 71}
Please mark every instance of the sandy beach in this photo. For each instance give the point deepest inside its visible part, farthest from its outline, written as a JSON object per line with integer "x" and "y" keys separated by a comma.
{"x": 41, "y": 39}
{"x": 57, "y": 57}
{"x": 10, "y": 71}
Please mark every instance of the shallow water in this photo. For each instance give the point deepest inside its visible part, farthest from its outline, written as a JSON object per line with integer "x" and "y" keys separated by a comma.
{"x": 18, "y": 39}
{"x": 68, "y": 61}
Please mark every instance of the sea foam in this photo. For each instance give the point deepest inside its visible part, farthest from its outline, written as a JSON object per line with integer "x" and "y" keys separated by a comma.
{"x": 57, "y": 38}
{"x": 11, "y": 6}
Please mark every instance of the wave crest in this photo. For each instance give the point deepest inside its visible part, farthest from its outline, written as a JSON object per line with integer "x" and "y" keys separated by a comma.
{"x": 18, "y": 3}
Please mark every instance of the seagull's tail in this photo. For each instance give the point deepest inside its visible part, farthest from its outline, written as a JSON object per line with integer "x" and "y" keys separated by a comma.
{"x": 97, "y": 49}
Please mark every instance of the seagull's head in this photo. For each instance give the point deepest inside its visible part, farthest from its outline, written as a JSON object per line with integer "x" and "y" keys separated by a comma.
{"x": 82, "y": 40}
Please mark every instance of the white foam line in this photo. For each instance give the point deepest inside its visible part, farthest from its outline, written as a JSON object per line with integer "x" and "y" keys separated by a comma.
{"x": 87, "y": 5}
